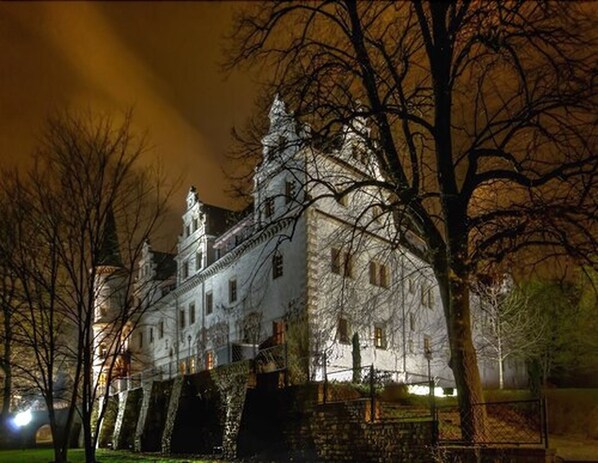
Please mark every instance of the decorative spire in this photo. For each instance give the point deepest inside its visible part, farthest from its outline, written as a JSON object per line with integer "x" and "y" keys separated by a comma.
{"x": 109, "y": 254}
{"x": 192, "y": 197}
{"x": 278, "y": 115}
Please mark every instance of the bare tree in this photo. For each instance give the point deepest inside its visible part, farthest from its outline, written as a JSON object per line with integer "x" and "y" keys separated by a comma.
{"x": 85, "y": 186}
{"x": 482, "y": 118}
{"x": 505, "y": 325}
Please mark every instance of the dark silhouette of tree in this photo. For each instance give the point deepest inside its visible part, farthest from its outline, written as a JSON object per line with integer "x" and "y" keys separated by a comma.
{"x": 480, "y": 122}
{"x": 85, "y": 187}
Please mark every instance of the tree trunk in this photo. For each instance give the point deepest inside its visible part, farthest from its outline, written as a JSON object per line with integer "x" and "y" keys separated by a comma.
{"x": 455, "y": 297}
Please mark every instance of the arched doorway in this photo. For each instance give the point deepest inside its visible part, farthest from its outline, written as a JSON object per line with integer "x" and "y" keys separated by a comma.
{"x": 43, "y": 436}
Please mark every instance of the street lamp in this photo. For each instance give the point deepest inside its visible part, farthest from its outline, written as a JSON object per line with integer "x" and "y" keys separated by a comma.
{"x": 23, "y": 418}
{"x": 189, "y": 361}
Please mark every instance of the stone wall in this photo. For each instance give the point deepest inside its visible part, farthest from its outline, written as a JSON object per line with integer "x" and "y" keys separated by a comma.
{"x": 126, "y": 419}
{"x": 152, "y": 415}
{"x": 343, "y": 432}
{"x": 108, "y": 421}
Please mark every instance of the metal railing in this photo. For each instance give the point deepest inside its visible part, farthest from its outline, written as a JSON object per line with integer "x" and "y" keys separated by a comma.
{"x": 521, "y": 422}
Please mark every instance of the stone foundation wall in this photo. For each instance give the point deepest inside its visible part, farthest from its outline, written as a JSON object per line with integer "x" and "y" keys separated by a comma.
{"x": 108, "y": 422}
{"x": 343, "y": 432}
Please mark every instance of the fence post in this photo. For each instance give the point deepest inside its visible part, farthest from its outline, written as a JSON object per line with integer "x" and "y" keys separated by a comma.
{"x": 544, "y": 407}
{"x": 325, "y": 377}
{"x": 286, "y": 365}
{"x": 372, "y": 394}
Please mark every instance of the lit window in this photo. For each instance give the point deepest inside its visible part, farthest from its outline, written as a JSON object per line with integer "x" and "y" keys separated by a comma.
{"x": 232, "y": 290}
{"x": 427, "y": 345}
{"x": 209, "y": 303}
{"x": 269, "y": 207}
{"x": 182, "y": 319}
{"x": 343, "y": 330}
{"x": 183, "y": 367}
{"x": 379, "y": 337}
{"x": 192, "y": 365}
{"x": 277, "y": 265}
{"x": 191, "y": 313}
{"x": 278, "y": 332}
{"x": 209, "y": 360}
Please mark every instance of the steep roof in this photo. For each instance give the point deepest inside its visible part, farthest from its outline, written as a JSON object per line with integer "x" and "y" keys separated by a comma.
{"x": 109, "y": 253}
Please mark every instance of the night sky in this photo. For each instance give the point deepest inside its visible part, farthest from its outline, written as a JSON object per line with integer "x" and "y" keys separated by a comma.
{"x": 162, "y": 59}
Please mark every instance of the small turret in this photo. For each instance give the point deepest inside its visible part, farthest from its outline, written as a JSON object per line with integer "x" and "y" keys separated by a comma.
{"x": 109, "y": 253}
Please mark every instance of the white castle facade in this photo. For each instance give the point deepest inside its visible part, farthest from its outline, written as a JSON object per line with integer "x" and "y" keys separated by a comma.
{"x": 292, "y": 281}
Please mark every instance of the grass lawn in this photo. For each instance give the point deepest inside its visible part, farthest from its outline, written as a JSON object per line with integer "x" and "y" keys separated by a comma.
{"x": 78, "y": 456}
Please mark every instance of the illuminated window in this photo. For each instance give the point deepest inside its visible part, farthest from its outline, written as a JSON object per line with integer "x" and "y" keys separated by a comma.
{"x": 427, "y": 344}
{"x": 192, "y": 365}
{"x": 343, "y": 331}
{"x": 102, "y": 351}
{"x": 232, "y": 290}
{"x": 277, "y": 265}
{"x": 209, "y": 360}
{"x": 183, "y": 367}
{"x": 209, "y": 303}
{"x": 379, "y": 336}
{"x": 278, "y": 332}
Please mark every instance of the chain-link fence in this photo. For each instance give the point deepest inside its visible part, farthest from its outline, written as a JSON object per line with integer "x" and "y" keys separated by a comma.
{"x": 521, "y": 422}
